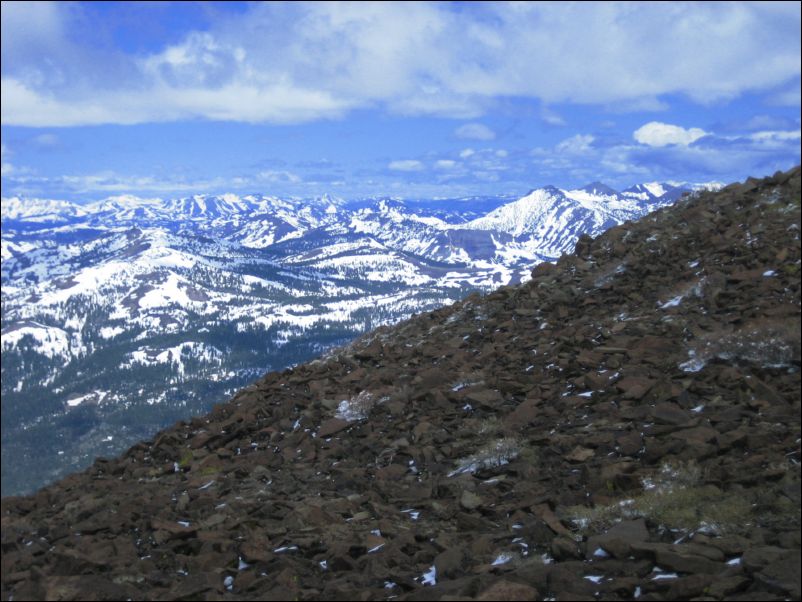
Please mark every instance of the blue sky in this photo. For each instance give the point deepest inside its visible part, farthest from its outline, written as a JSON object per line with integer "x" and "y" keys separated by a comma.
{"x": 402, "y": 99}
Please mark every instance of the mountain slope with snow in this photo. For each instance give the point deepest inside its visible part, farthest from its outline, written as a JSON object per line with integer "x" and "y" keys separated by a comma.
{"x": 108, "y": 301}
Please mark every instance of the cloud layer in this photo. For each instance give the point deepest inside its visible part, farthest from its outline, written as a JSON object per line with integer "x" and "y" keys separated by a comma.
{"x": 291, "y": 63}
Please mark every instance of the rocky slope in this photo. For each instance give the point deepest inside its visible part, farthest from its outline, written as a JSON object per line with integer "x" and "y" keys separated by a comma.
{"x": 624, "y": 425}
{"x": 122, "y": 316}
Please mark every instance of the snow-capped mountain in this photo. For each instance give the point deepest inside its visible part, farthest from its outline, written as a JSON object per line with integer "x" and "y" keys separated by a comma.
{"x": 122, "y": 315}
{"x": 548, "y": 221}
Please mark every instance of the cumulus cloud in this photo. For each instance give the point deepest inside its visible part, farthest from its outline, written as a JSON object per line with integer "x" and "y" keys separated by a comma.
{"x": 446, "y": 164}
{"x": 405, "y": 165}
{"x": 656, "y": 133}
{"x": 295, "y": 62}
{"x": 475, "y": 131}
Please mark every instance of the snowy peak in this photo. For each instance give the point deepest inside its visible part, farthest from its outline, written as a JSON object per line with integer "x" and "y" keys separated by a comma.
{"x": 599, "y": 189}
{"x": 519, "y": 217}
{"x": 330, "y": 200}
{"x": 548, "y": 221}
{"x": 39, "y": 210}
{"x": 648, "y": 191}
{"x": 656, "y": 189}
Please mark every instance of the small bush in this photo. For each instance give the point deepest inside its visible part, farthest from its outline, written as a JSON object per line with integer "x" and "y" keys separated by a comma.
{"x": 770, "y": 343}
{"x": 480, "y": 429}
{"x": 493, "y": 454}
{"x": 672, "y": 499}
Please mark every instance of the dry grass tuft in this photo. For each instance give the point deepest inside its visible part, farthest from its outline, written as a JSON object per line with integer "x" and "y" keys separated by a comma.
{"x": 357, "y": 407}
{"x": 673, "y": 499}
{"x": 770, "y": 343}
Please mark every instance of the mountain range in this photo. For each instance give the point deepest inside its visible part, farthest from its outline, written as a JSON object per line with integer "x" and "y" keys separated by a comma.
{"x": 124, "y": 315}
{"x": 624, "y": 424}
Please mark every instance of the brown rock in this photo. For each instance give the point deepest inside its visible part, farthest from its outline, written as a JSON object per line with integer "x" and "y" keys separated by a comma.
{"x": 783, "y": 575}
{"x": 630, "y": 443}
{"x": 484, "y": 397}
{"x": 618, "y": 540}
{"x": 670, "y": 413}
{"x": 727, "y": 586}
{"x": 579, "y": 454}
{"x": 174, "y": 529}
{"x": 686, "y": 588}
{"x": 755, "y": 559}
{"x": 469, "y": 500}
{"x": 564, "y": 548}
{"x": 332, "y": 426}
{"x": 682, "y": 561}
{"x": 634, "y": 387}
{"x": 449, "y": 563}
{"x": 547, "y": 515}
{"x": 526, "y": 413}
{"x": 699, "y": 434}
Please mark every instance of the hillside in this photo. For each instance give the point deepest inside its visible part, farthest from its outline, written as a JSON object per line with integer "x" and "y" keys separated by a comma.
{"x": 626, "y": 424}
{"x": 122, "y": 316}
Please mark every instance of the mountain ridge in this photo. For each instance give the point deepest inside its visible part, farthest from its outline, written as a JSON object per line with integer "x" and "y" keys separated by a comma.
{"x": 545, "y": 440}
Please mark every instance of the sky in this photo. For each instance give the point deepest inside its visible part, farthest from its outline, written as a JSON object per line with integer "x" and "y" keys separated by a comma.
{"x": 411, "y": 100}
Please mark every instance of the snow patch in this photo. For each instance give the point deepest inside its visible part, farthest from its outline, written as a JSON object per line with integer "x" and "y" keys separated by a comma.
{"x": 47, "y": 340}
{"x": 430, "y": 576}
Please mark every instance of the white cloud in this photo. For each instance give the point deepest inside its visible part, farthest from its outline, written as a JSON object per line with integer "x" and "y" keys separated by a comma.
{"x": 32, "y": 26}
{"x": 575, "y": 145}
{"x": 405, "y": 165}
{"x": 285, "y": 63}
{"x": 466, "y": 152}
{"x": 551, "y": 118}
{"x": 776, "y": 135}
{"x": 275, "y": 103}
{"x": 446, "y": 164}
{"x": 474, "y": 131}
{"x": 270, "y": 175}
{"x": 656, "y": 133}
{"x": 645, "y": 104}
{"x": 46, "y": 140}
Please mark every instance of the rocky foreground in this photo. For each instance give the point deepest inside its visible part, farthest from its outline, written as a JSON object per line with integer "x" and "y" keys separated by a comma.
{"x": 625, "y": 425}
